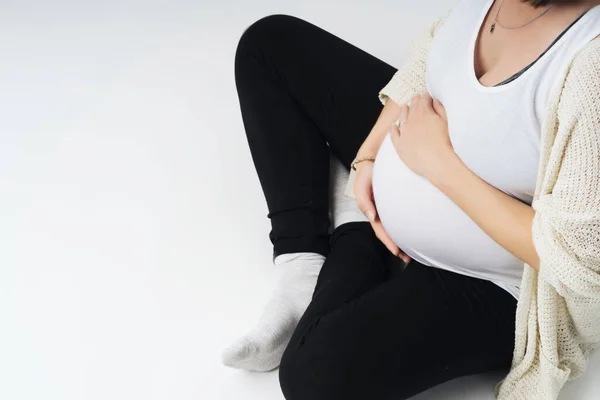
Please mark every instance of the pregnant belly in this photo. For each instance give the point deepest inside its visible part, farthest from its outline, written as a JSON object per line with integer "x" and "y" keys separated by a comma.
{"x": 429, "y": 227}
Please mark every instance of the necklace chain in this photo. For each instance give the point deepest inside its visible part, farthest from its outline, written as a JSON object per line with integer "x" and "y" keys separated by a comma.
{"x": 493, "y": 27}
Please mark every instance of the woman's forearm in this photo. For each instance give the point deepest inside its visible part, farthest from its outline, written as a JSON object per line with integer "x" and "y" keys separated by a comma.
{"x": 389, "y": 114}
{"x": 505, "y": 219}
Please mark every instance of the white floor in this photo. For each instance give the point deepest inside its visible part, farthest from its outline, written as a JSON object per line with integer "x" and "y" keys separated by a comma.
{"x": 133, "y": 231}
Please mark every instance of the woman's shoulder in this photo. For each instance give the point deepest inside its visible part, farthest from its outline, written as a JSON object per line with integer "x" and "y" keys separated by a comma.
{"x": 579, "y": 101}
{"x": 582, "y": 80}
{"x": 586, "y": 63}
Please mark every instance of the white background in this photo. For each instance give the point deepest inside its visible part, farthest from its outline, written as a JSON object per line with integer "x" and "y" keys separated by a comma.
{"x": 133, "y": 230}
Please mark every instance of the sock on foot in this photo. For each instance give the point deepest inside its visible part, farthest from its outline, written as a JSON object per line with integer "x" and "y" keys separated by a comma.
{"x": 261, "y": 349}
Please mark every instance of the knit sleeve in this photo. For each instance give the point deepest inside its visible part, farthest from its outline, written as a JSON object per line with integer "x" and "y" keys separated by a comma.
{"x": 566, "y": 226}
{"x": 558, "y": 313}
{"x": 409, "y": 80}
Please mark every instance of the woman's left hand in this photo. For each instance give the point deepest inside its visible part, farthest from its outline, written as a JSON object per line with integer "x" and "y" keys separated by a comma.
{"x": 423, "y": 142}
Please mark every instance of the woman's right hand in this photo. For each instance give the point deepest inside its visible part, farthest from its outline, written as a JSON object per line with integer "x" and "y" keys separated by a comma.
{"x": 363, "y": 191}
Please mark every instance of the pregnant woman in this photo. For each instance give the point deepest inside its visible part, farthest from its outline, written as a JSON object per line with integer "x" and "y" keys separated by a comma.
{"x": 466, "y": 236}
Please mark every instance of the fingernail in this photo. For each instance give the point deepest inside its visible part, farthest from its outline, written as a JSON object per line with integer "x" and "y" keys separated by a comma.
{"x": 370, "y": 215}
{"x": 398, "y": 123}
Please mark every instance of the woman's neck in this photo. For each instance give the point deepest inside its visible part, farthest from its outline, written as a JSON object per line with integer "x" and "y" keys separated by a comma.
{"x": 562, "y": 12}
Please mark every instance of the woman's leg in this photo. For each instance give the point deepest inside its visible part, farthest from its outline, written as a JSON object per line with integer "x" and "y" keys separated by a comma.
{"x": 372, "y": 332}
{"x": 261, "y": 348}
{"x": 301, "y": 89}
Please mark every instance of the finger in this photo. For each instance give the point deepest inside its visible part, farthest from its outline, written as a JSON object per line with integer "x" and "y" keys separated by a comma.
{"x": 426, "y": 102}
{"x": 369, "y": 212}
{"x": 394, "y": 130}
{"x": 395, "y": 136}
{"x": 414, "y": 105}
{"x": 385, "y": 238}
{"x": 366, "y": 205}
{"x": 403, "y": 116}
{"x": 410, "y": 102}
{"x": 405, "y": 257}
{"x": 414, "y": 101}
{"x": 439, "y": 108}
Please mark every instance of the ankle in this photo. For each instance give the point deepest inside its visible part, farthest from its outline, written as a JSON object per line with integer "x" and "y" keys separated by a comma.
{"x": 286, "y": 258}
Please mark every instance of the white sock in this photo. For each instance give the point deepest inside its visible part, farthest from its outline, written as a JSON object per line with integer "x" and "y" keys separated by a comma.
{"x": 261, "y": 348}
{"x": 343, "y": 208}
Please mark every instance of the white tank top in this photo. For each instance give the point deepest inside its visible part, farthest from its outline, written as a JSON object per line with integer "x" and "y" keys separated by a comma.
{"x": 494, "y": 130}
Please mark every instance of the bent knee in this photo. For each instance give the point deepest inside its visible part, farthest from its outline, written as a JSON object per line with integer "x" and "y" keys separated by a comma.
{"x": 263, "y": 33}
{"x": 268, "y": 27}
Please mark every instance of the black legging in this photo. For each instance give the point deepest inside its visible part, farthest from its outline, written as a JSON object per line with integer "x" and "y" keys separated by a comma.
{"x": 374, "y": 330}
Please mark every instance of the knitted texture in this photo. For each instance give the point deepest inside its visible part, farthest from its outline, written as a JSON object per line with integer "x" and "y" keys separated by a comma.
{"x": 558, "y": 315}
{"x": 558, "y": 311}
{"x": 409, "y": 80}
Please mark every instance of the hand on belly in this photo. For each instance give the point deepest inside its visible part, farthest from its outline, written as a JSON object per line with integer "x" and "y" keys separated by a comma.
{"x": 423, "y": 221}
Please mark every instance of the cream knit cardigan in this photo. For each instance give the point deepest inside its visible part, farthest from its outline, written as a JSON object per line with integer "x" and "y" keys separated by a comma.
{"x": 558, "y": 312}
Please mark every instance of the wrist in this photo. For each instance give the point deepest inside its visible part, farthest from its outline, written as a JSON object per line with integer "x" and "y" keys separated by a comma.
{"x": 442, "y": 171}
{"x": 369, "y": 150}
{"x": 360, "y": 160}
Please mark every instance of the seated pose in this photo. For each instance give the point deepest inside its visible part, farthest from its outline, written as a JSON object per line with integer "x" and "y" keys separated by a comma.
{"x": 449, "y": 225}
